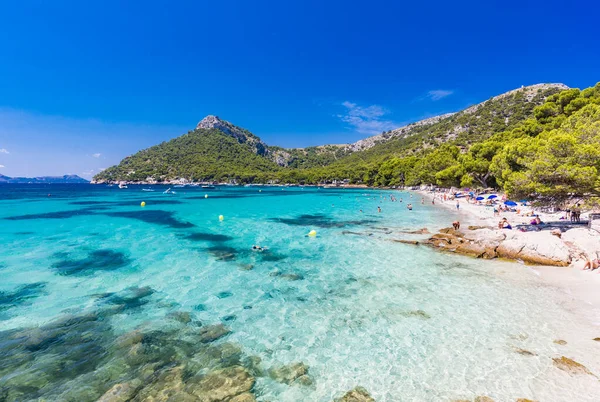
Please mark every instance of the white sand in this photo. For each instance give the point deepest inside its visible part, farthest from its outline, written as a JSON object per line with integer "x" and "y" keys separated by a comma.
{"x": 582, "y": 286}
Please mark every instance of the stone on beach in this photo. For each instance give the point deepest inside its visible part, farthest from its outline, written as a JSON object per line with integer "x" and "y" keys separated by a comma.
{"x": 358, "y": 394}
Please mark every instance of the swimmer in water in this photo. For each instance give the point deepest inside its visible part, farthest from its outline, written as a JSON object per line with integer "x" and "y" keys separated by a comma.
{"x": 379, "y": 209}
{"x": 258, "y": 248}
{"x": 409, "y": 206}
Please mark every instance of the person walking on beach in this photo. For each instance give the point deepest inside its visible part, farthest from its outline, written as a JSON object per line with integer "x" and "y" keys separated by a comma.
{"x": 457, "y": 205}
{"x": 456, "y": 225}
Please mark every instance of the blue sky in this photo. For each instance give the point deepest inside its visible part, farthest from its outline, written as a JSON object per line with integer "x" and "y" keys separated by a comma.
{"x": 83, "y": 84}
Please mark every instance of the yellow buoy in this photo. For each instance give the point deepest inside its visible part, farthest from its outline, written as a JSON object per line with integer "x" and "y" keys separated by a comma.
{"x": 221, "y": 218}
{"x": 312, "y": 233}
{"x": 205, "y": 195}
{"x": 143, "y": 204}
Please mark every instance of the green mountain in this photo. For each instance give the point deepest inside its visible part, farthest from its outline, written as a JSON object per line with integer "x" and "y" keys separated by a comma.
{"x": 219, "y": 150}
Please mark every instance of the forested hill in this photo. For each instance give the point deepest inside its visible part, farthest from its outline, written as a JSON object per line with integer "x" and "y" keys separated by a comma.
{"x": 219, "y": 150}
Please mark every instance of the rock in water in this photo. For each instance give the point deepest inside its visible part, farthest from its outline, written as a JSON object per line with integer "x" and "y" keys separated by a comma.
{"x": 358, "y": 394}
{"x": 292, "y": 373}
{"x": 183, "y": 317}
{"x": 245, "y": 397}
{"x": 213, "y": 332}
{"x": 570, "y": 366}
{"x": 121, "y": 392}
{"x": 224, "y": 385}
{"x": 560, "y": 342}
{"x": 483, "y": 399}
{"x": 167, "y": 386}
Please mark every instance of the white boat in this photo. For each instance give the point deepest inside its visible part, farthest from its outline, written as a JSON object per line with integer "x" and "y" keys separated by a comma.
{"x": 122, "y": 185}
{"x": 169, "y": 191}
{"x": 208, "y": 186}
{"x": 147, "y": 189}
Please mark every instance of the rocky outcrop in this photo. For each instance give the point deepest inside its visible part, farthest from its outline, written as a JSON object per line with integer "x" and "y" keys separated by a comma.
{"x": 535, "y": 247}
{"x": 243, "y": 136}
{"x": 404, "y": 131}
{"x": 358, "y": 394}
{"x": 541, "y": 248}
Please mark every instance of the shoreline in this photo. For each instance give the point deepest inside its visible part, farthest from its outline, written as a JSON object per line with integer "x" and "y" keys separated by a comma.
{"x": 580, "y": 285}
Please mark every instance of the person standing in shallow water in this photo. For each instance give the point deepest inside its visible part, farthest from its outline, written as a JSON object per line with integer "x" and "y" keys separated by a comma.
{"x": 379, "y": 209}
{"x": 457, "y": 204}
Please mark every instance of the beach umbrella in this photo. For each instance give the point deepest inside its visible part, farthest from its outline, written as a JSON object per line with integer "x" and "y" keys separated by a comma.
{"x": 480, "y": 198}
{"x": 492, "y": 196}
{"x": 510, "y": 203}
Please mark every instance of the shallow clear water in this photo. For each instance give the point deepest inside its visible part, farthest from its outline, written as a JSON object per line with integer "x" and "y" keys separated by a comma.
{"x": 405, "y": 322}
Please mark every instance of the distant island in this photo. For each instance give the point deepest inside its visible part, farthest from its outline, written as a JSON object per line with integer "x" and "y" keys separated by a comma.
{"x": 66, "y": 179}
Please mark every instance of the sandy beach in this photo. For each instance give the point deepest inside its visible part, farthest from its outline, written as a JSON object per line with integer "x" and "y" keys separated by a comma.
{"x": 580, "y": 285}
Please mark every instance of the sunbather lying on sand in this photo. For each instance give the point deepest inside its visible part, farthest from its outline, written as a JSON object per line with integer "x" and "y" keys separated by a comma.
{"x": 592, "y": 264}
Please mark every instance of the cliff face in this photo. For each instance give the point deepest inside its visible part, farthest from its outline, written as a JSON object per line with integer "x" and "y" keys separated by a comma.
{"x": 243, "y": 136}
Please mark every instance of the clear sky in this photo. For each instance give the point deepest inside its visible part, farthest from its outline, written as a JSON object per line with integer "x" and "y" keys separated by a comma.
{"x": 85, "y": 83}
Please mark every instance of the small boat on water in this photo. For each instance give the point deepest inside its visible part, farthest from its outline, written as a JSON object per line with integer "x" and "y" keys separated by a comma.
{"x": 169, "y": 191}
{"x": 179, "y": 186}
{"x": 147, "y": 189}
{"x": 207, "y": 186}
{"x": 122, "y": 185}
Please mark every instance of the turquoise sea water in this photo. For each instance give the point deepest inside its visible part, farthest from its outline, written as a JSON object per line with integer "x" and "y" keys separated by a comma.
{"x": 81, "y": 265}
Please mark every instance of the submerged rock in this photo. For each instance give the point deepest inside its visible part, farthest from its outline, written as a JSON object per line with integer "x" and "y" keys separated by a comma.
{"x": 524, "y": 352}
{"x": 413, "y": 242}
{"x": 358, "y": 394}
{"x": 245, "y": 397}
{"x": 289, "y": 276}
{"x": 183, "y": 317}
{"x": 223, "y": 385}
{"x": 416, "y": 313}
{"x": 211, "y": 333}
{"x": 596, "y": 339}
{"x": 483, "y": 399}
{"x": 121, "y": 392}
{"x": 253, "y": 364}
{"x": 570, "y": 366}
{"x": 291, "y": 373}
{"x": 129, "y": 339}
{"x": 166, "y": 385}
{"x": 561, "y": 342}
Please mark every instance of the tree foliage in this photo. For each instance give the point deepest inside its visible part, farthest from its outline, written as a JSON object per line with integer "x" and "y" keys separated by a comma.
{"x": 545, "y": 145}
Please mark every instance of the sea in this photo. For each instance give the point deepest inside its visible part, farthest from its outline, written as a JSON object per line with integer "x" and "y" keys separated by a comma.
{"x": 98, "y": 290}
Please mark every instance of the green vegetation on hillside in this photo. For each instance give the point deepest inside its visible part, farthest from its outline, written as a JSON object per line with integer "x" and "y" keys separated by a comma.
{"x": 200, "y": 155}
{"x": 543, "y": 144}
